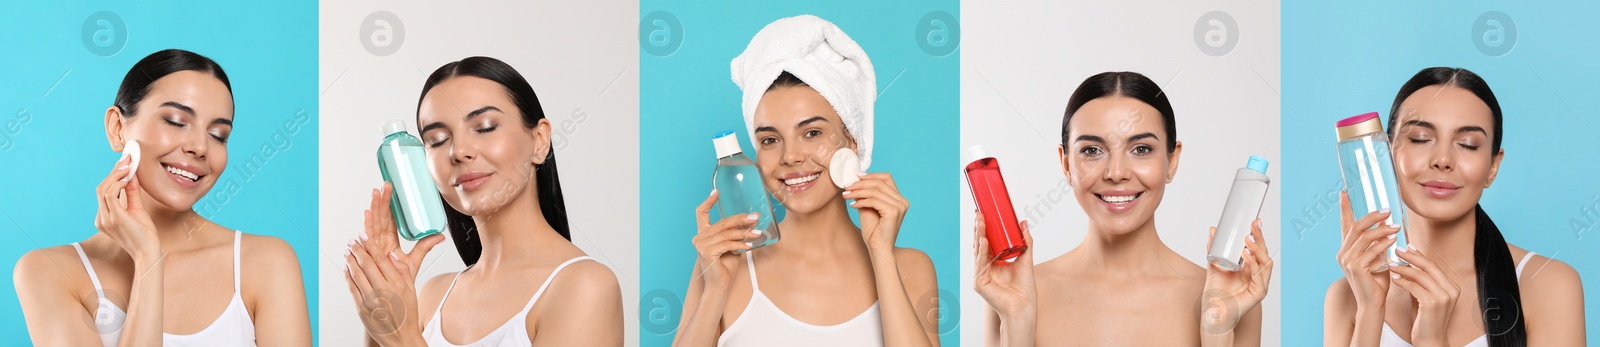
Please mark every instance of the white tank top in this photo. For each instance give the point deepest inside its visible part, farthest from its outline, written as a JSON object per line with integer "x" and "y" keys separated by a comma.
{"x": 763, "y": 324}
{"x": 232, "y": 328}
{"x": 1391, "y": 339}
{"x": 513, "y": 333}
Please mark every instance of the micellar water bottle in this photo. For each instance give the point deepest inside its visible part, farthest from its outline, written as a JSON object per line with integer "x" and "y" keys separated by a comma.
{"x": 994, "y": 202}
{"x": 417, "y": 209}
{"x": 1368, "y": 171}
{"x": 1243, "y": 206}
{"x": 740, "y": 190}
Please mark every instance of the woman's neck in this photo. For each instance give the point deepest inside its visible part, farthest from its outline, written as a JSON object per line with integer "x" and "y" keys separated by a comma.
{"x": 515, "y": 233}
{"x": 176, "y": 229}
{"x": 1448, "y": 242}
{"x": 1138, "y": 252}
{"x": 827, "y": 229}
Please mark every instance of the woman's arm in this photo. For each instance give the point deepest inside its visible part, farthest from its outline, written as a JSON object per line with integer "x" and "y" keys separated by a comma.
{"x": 279, "y": 307}
{"x": 713, "y": 274}
{"x": 1344, "y": 323}
{"x": 903, "y": 272}
{"x": 1553, "y": 297}
{"x": 55, "y": 317}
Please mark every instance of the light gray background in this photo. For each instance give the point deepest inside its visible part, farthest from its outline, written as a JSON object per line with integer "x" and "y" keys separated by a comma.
{"x": 581, "y": 58}
{"x": 1020, "y": 61}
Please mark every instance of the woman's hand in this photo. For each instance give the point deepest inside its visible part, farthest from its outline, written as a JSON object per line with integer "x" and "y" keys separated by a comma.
{"x": 1362, "y": 255}
{"x": 122, "y": 215}
{"x": 1008, "y": 287}
{"x": 382, "y": 278}
{"x": 1434, "y": 295}
{"x": 715, "y": 243}
{"x": 881, "y": 209}
{"x": 1229, "y": 295}
{"x": 381, "y": 236}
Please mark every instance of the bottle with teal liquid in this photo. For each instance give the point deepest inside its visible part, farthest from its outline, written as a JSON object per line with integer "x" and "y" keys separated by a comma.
{"x": 417, "y": 210}
{"x": 740, "y": 190}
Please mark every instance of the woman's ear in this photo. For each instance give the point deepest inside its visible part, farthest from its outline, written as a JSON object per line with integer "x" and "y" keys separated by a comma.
{"x": 1172, "y": 161}
{"x": 114, "y": 128}
{"x": 541, "y": 141}
{"x": 1066, "y": 169}
{"x": 1494, "y": 167}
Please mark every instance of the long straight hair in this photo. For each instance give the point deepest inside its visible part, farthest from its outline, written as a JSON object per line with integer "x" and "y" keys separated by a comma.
{"x": 1497, "y": 273}
{"x": 463, "y": 231}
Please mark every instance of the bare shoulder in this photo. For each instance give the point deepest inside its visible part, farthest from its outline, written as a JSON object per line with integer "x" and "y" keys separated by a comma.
{"x": 1551, "y": 278}
{"x": 912, "y": 258}
{"x": 266, "y": 252}
{"x": 1339, "y": 298}
{"x": 584, "y": 285}
{"x": 49, "y": 267}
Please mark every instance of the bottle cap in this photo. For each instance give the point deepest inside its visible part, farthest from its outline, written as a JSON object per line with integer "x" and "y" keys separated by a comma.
{"x": 393, "y": 126}
{"x": 1257, "y": 163}
{"x": 727, "y": 144}
{"x": 976, "y": 152}
{"x": 1366, "y": 123}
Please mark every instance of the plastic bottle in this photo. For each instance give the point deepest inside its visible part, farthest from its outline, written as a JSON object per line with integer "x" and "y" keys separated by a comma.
{"x": 1368, "y": 170}
{"x": 740, "y": 190}
{"x": 1243, "y": 207}
{"x": 415, "y": 202}
{"x": 994, "y": 202}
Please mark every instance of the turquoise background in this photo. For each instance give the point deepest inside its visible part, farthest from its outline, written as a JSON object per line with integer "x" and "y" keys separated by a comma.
{"x": 48, "y": 174}
{"x": 1342, "y": 59}
{"x": 688, "y": 96}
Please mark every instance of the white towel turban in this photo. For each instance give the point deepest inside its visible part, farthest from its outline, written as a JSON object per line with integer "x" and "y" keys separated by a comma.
{"x": 820, "y": 54}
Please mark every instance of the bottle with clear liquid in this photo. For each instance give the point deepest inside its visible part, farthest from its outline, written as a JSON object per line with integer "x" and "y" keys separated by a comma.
{"x": 1368, "y": 171}
{"x": 415, "y": 201}
{"x": 1243, "y": 207}
{"x": 740, "y": 190}
{"x": 994, "y": 202}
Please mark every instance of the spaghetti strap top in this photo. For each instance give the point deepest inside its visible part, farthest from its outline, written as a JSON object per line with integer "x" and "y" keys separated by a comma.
{"x": 232, "y": 328}
{"x": 763, "y": 324}
{"x": 513, "y": 333}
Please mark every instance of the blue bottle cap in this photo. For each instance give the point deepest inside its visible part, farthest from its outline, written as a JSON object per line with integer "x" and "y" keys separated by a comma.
{"x": 1257, "y": 163}
{"x": 724, "y": 133}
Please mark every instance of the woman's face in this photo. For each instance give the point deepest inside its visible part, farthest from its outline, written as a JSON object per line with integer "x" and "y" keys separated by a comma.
{"x": 1441, "y": 151}
{"x": 797, "y": 132}
{"x": 182, "y": 126}
{"x": 1117, "y": 162}
{"x": 481, "y": 154}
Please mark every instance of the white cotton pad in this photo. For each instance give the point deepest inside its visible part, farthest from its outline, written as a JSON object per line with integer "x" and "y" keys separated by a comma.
{"x": 845, "y": 167}
{"x": 131, "y": 149}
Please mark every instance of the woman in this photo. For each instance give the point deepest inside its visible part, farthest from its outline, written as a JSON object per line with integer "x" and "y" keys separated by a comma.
{"x": 1121, "y": 285}
{"x": 1469, "y": 287}
{"x": 175, "y": 109}
{"x": 827, "y": 281}
{"x": 488, "y": 146}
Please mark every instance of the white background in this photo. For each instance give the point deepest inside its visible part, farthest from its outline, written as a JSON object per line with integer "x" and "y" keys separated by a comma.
{"x": 580, "y": 57}
{"x": 1020, "y": 61}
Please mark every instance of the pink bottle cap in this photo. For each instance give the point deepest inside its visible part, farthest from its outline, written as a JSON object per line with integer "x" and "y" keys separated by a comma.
{"x": 1357, "y": 119}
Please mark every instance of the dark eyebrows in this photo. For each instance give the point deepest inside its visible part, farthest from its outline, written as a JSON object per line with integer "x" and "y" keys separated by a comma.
{"x": 1133, "y": 138}
{"x": 1419, "y": 123}
{"x": 1472, "y": 128}
{"x": 180, "y": 107}
{"x": 797, "y": 125}
{"x": 470, "y": 116}
{"x": 1138, "y": 137}
{"x": 222, "y": 121}
{"x": 1093, "y": 138}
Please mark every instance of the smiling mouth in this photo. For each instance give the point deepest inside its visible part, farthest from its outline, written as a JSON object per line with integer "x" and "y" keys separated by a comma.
{"x": 192, "y": 177}
{"x": 1119, "y": 199}
{"x": 802, "y": 180}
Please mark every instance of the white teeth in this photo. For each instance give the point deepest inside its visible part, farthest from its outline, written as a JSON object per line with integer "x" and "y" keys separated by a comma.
{"x": 180, "y": 172}
{"x": 801, "y": 180}
{"x": 1117, "y": 199}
